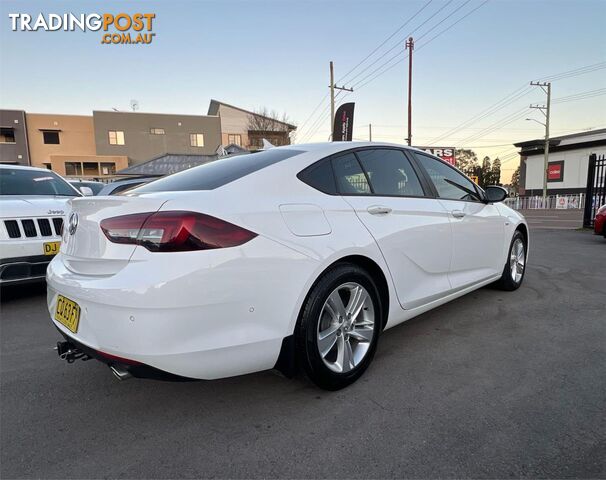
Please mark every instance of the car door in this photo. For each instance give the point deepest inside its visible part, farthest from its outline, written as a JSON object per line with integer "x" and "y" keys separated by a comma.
{"x": 477, "y": 227}
{"x": 411, "y": 229}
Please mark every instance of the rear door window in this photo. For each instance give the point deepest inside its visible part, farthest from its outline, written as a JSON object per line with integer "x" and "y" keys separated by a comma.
{"x": 219, "y": 172}
{"x": 390, "y": 173}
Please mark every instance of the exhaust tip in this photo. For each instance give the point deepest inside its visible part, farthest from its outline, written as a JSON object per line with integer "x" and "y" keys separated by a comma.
{"x": 120, "y": 373}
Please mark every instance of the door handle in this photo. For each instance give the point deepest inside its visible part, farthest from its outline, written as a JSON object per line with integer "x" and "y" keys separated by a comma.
{"x": 458, "y": 213}
{"x": 378, "y": 210}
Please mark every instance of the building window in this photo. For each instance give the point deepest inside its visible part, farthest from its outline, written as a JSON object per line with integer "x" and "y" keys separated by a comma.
{"x": 90, "y": 168}
{"x": 73, "y": 168}
{"x": 51, "y": 137}
{"x": 108, "y": 168}
{"x": 7, "y": 135}
{"x": 196, "y": 139}
{"x": 235, "y": 139}
{"x": 116, "y": 137}
{"x": 156, "y": 131}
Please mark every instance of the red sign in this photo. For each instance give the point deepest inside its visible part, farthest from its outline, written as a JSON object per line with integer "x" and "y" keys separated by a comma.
{"x": 445, "y": 153}
{"x": 555, "y": 171}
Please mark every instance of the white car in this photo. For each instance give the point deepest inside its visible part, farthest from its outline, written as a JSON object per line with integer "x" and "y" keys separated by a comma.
{"x": 293, "y": 258}
{"x": 33, "y": 203}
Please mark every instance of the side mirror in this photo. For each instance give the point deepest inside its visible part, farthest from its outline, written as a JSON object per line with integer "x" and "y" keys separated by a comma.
{"x": 495, "y": 194}
{"x": 86, "y": 191}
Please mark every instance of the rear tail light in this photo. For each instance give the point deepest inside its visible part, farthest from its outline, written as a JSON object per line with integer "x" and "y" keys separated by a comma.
{"x": 174, "y": 231}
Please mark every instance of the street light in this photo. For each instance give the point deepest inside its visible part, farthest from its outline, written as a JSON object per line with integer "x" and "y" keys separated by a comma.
{"x": 534, "y": 120}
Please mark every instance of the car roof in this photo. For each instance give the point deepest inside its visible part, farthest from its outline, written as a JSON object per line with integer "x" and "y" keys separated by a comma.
{"x": 22, "y": 167}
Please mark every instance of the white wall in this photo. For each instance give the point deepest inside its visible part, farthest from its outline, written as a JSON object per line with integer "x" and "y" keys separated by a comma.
{"x": 575, "y": 168}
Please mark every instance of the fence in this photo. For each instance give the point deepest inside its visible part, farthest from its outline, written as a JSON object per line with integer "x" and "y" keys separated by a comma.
{"x": 596, "y": 188}
{"x": 551, "y": 202}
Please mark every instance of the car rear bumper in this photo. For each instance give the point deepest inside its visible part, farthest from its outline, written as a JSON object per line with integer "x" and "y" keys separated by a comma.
{"x": 599, "y": 225}
{"x": 201, "y": 315}
{"x": 23, "y": 269}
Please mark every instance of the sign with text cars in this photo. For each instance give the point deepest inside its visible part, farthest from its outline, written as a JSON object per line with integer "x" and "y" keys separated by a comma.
{"x": 445, "y": 153}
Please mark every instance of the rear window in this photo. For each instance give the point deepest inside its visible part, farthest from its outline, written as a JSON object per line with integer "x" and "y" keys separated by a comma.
{"x": 33, "y": 182}
{"x": 218, "y": 173}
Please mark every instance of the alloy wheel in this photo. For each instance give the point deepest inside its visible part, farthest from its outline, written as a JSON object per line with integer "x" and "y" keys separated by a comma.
{"x": 346, "y": 327}
{"x": 517, "y": 260}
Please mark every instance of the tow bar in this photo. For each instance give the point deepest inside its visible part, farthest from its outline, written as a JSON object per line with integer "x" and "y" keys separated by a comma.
{"x": 68, "y": 351}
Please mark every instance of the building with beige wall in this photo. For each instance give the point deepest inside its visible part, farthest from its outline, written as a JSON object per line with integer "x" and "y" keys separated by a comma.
{"x": 66, "y": 144}
{"x": 237, "y": 127}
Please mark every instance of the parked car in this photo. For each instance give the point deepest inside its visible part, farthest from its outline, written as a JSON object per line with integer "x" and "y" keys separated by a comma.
{"x": 120, "y": 186}
{"x": 90, "y": 187}
{"x": 297, "y": 256}
{"x": 599, "y": 224}
{"x": 33, "y": 202}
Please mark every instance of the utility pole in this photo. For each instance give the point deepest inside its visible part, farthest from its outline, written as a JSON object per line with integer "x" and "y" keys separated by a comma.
{"x": 334, "y": 87}
{"x": 370, "y": 132}
{"x": 410, "y": 45}
{"x": 545, "y": 110}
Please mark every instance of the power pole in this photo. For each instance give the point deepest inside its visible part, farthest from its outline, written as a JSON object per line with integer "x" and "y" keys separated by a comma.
{"x": 410, "y": 45}
{"x": 334, "y": 87}
{"x": 332, "y": 98}
{"x": 370, "y": 132}
{"x": 545, "y": 110}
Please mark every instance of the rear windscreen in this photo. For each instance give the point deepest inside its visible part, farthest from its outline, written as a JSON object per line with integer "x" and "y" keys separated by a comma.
{"x": 218, "y": 173}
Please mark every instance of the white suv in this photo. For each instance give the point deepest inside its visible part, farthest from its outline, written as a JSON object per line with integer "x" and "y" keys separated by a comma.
{"x": 32, "y": 211}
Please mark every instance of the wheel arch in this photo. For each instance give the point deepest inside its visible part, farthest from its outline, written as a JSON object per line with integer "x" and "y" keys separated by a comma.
{"x": 286, "y": 362}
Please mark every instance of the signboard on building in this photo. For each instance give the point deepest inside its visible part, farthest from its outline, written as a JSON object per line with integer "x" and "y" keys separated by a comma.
{"x": 555, "y": 171}
{"x": 445, "y": 153}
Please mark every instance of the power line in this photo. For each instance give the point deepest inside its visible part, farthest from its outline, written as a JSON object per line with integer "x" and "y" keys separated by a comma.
{"x": 358, "y": 86}
{"x": 485, "y": 113}
{"x": 398, "y": 45}
{"x": 385, "y": 41}
{"x": 504, "y": 102}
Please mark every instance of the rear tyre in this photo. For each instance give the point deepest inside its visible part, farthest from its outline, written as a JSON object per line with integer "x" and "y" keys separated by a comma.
{"x": 339, "y": 326}
{"x": 515, "y": 266}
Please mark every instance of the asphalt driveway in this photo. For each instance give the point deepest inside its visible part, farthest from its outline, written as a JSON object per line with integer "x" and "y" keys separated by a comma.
{"x": 494, "y": 384}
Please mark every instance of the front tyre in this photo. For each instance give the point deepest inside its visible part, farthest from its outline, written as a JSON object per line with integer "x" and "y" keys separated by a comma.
{"x": 339, "y": 326}
{"x": 515, "y": 267}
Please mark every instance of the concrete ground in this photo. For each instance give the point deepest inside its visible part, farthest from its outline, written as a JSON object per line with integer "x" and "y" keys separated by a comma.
{"x": 493, "y": 385}
{"x": 554, "y": 219}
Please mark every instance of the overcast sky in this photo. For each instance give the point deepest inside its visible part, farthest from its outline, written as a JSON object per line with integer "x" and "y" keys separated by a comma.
{"x": 276, "y": 53}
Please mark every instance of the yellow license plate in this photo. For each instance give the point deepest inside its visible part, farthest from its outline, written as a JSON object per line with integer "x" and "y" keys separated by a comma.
{"x": 67, "y": 313}
{"x": 51, "y": 248}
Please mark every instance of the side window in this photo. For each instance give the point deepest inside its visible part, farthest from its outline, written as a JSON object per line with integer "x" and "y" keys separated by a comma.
{"x": 390, "y": 173}
{"x": 449, "y": 183}
{"x": 349, "y": 175}
{"x": 320, "y": 176}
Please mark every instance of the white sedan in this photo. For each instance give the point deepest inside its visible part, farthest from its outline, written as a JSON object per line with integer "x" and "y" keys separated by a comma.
{"x": 295, "y": 258}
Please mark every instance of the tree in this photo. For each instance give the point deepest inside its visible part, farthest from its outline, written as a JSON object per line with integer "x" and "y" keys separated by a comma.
{"x": 485, "y": 173}
{"x": 495, "y": 173}
{"x": 515, "y": 180}
{"x": 262, "y": 120}
{"x": 467, "y": 160}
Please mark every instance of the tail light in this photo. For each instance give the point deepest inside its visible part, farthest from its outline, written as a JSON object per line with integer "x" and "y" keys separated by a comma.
{"x": 174, "y": 231}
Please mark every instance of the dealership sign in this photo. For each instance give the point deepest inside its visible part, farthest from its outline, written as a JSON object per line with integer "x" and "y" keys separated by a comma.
{"x": 445, "y": 153}
{"x": 555, "y": 171}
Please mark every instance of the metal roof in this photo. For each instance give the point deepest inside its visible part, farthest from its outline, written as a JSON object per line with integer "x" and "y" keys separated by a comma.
{"x": 167, "y": 164}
